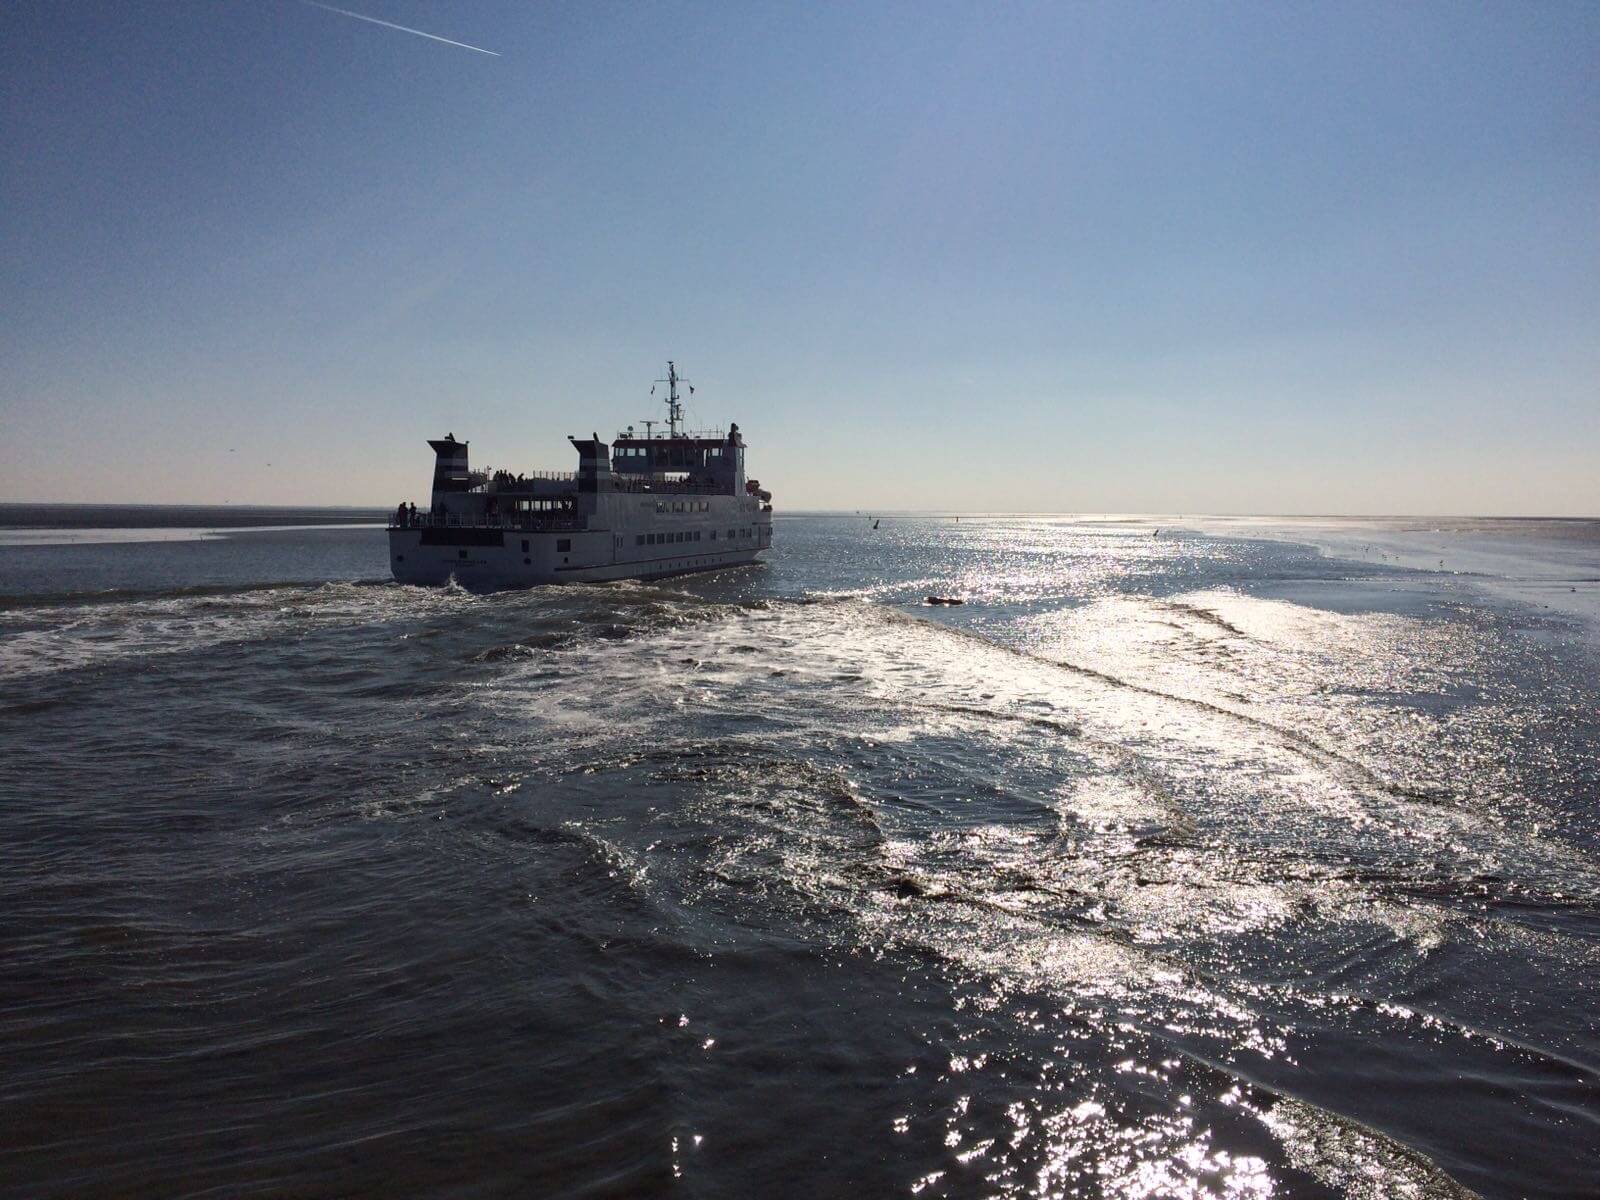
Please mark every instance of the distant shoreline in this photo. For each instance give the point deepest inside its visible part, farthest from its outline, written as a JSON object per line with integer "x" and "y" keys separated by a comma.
{"x": 53, "y": 515}
{"x": 180, "y": 516}
{"x": 38, "y": 515}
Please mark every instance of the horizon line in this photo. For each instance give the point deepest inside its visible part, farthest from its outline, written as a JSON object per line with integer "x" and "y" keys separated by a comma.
{"x": 1083, "y": 514}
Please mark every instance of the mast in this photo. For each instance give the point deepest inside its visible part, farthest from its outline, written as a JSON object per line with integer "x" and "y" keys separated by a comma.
{"x": 674, "y": 408}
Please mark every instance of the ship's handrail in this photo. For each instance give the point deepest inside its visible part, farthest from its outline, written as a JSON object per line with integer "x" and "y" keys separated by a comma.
{"x": 620, "y": 481}
{"x": 535, "y": 522}
{"x": 490, "y": 475}
{"x": 700, "y": 435}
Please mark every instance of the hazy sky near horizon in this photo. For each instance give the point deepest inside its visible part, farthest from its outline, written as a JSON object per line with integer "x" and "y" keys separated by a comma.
{"x": 1056, "y": 257}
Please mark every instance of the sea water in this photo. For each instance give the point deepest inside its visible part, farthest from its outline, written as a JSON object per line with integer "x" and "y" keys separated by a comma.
{"x": 1183, "y": 859}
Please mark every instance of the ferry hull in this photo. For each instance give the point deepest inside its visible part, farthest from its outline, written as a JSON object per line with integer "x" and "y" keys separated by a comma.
{"x": 632, "y": 541}
{"x": 496, "y": 568}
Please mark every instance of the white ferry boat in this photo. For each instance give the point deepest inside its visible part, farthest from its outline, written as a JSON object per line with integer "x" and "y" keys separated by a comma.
{"x": 668, "y": 503}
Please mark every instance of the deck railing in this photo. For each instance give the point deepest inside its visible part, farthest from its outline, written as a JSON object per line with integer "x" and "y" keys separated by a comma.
{"x": 620, "y": 481}
{"x": 698, "y": 435}
{"x": 511, "y": 479}
{"x": 527, "y": 521}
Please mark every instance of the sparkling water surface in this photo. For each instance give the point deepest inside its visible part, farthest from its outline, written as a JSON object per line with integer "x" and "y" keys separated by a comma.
{"x": 1167, "y": 865}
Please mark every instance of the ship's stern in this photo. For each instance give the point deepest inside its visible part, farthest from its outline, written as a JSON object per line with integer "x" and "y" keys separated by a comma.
{"x": 409, "y": 561}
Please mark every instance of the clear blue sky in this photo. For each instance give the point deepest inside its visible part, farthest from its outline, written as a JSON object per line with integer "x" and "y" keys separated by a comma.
{"x": 1165, "y": 258}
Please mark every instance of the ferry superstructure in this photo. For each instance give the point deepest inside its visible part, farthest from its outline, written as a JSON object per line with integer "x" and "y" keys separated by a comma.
{"x": 667, "y": 503}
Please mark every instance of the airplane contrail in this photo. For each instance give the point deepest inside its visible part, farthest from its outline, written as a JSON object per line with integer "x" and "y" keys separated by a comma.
{"x": 345, "y": 12}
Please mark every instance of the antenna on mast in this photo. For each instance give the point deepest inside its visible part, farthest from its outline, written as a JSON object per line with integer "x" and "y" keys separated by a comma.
{"x": 674, "y": 408}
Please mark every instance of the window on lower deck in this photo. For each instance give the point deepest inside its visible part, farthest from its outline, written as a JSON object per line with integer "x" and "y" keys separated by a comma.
{"x": 563, "y": 545}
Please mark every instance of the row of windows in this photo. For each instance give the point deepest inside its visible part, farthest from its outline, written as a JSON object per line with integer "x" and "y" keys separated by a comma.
{"x": 683, "y": 506}
{"x": 685, "y": 535}
{"x": 662, "y": 452}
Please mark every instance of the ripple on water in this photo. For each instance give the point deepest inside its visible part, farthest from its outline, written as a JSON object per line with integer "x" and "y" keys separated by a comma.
{"x": 602, "y": 887}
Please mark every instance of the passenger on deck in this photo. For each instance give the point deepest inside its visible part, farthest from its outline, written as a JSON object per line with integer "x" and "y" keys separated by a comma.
{"x": 400, "y": 514}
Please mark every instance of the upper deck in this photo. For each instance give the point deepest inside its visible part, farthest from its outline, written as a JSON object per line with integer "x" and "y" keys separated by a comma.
{"x": 710, "y": 459}
{"x": 670, "y": 461}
